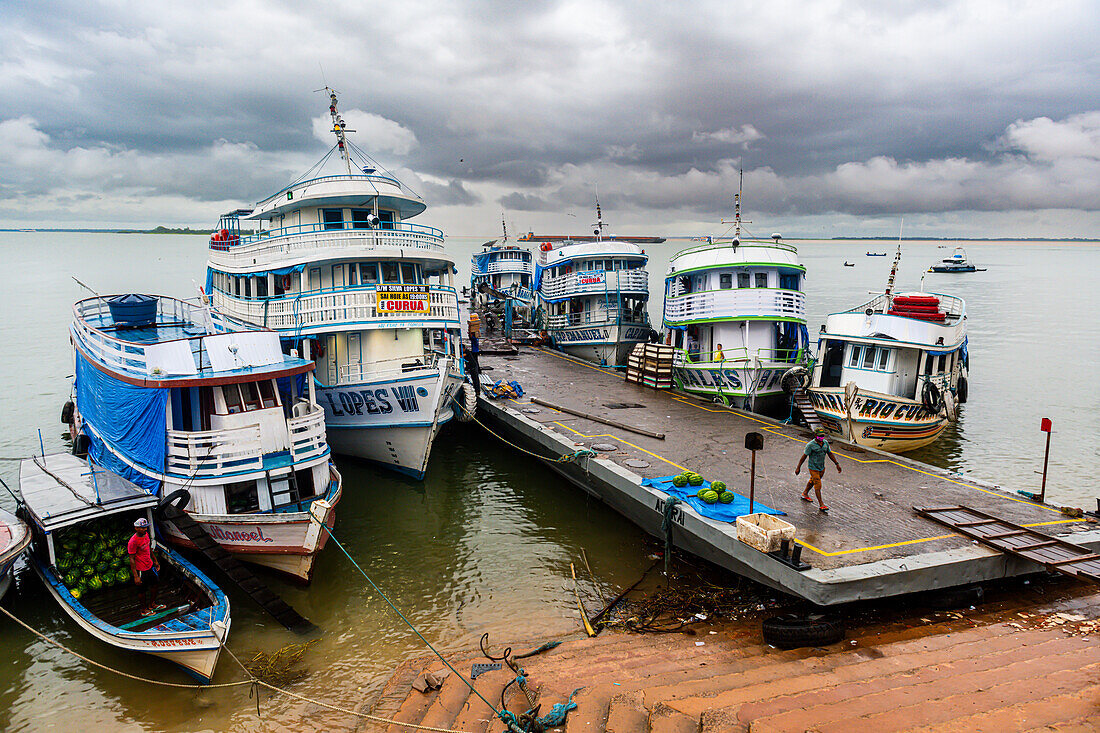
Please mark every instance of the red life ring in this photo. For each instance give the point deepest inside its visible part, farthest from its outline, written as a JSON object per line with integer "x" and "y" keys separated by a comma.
{"x": 285, "y": 282}
{"x": 318, "y": 349}
{"x": 546, "y": 247}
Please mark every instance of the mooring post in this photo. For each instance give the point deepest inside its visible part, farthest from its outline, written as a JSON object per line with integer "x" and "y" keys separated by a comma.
{"x": 1045, "y": 426}
{"x": 753, "y": 442}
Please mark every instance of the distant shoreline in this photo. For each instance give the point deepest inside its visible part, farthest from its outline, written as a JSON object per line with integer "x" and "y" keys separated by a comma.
{"x": 207, "y": 232}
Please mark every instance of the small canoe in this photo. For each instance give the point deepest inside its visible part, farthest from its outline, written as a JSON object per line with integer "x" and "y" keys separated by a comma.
{"x": 14, "y": 538}
{"x": 81, "y": 518}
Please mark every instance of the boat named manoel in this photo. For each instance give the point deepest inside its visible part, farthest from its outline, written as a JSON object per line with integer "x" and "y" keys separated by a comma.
{"x": 337, "y": 268}
{"x": 892, "y": 372}
{"x": 184, "y": 401}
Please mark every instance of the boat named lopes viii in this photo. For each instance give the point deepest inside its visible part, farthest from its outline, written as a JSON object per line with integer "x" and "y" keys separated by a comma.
{"x": 593, "y": 292}
{"x": 175, "y": 397}
{"x": 736, "y": 312}
{"x": 892, "y": 372}
{"x": 338, "y": 270}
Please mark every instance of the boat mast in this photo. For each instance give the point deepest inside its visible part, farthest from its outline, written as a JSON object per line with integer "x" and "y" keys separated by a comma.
{"x": 598, "y": 231}
{"x": 339, "y": 128}
{"x": 894, "y": 267}
{"x": 737, "y": 210}
{"x": 504, "y": 227}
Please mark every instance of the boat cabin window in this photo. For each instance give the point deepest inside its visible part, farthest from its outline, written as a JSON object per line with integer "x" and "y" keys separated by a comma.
{"x": 242, "y": 497}
{"x": 359, "y": 218}
{"x": 761, "y": 279}
{"x": 725, "y": 281}
{"x": 249, "y": 396}
{"x": 390, "y": 272}
{"x": 788, "y": 282}
{"x": 883, "y": 358}
{"x": 943, "y": 363}
{"x": 742, "y": 279}
{"x": 353, "y": 274}
{"x": 408, "y": 273}
{"x": 385, "y": 219}
{"x": 261, "y": 286}
{"x": 869, "y": 357}
{"x": 857, "y": 352}
{"x": 368, "y": 271}
{"x": 332, "y": 218}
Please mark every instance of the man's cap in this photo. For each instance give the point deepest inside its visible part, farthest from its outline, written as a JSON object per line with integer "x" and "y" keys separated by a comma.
{"x": 819, "y": 431}
{"x": 141, "y": 523}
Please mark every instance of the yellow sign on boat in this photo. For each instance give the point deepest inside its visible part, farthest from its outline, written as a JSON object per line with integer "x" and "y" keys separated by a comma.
{"x": 404, "y": 299}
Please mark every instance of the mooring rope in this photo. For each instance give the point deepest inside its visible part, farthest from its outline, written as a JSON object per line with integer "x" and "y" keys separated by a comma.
{"x": 563, "y": 458}
{"x": 253, "y": 681}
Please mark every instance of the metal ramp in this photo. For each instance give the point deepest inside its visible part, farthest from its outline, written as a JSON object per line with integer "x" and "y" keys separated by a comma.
{"x": 801, "y": 401}
{"x": 279, "y": 609}
{"x": 1065, "y": 557}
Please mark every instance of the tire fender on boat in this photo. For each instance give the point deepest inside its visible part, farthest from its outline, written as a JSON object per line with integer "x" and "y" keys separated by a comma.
{"x": 180, "y": 498}
{"x": 467, "y": 403}
{"x": 950, "y": 406}
{"x": 931, "y": 398}
{"x": 962, "y": 390}
{"x": 793, "y": 379}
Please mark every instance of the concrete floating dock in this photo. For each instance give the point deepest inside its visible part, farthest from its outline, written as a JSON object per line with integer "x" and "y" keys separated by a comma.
{"x": 870, "y": 545}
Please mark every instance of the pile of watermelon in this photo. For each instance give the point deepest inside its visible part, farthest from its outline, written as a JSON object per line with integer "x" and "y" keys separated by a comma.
{"x": 712, "y": 495}
{"x": 92, "y": 557}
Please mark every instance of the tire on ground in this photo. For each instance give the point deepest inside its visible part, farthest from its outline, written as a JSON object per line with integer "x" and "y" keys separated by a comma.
{"x": 793, "y": 630}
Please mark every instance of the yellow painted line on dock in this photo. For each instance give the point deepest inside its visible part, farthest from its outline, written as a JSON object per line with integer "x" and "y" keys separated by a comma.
{"x": 625, "y": 442}
{"x": 778, "y": 431}
{"x": 819, "y": 551}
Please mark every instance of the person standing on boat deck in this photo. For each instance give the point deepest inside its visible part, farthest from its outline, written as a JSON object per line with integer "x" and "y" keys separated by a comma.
{"x": 718, "y": 355}
{"x": 144, "y": 566}
{"x": 816, "y": 450}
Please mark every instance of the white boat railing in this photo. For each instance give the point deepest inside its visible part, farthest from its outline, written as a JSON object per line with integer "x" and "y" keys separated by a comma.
{"x": 594, "y": 318}
{"x": 571, "y": 285}
{"x": 313, "y": 242}
{"x": 953, "y": 307}
{"x": 504, "y": 267}
{"x": 385, "y": 368}
{"x": 307, "y": 434}
{"x": 738, "y": 357}
{"x": 736, "y": 303}
{"x": 212, "y": 453}
{"x": 92, "y": 315}
{"x": 728, "y": 243}
{"x": 349, "y": 305}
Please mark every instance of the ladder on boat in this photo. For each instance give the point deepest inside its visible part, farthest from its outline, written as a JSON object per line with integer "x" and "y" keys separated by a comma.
{"x": 279, "y": 609}
{"x": 1012, "y": 539}
{"x": 801, "y": 399}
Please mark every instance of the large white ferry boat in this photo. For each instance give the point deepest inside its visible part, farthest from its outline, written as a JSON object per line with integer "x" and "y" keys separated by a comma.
{"x": 892, "y": 372}
{"x": 593, "y": 292}
{"x": 736, "y": 312}
{"x": 176, "y": 398}
{"x": 337, "y": 268}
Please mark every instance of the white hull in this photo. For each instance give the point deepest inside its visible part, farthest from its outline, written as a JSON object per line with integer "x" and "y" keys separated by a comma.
{"x": 608, "y": 344}
{"x": 196, "y": 651}
{"x": 283, "y": 541}
{"x": 391, "y": 421}
{"x": 757, "y": 389}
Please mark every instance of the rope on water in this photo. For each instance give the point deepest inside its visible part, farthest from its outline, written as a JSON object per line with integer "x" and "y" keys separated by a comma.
{"x": 253, "y": 681}
{"x": 415, "y": 630}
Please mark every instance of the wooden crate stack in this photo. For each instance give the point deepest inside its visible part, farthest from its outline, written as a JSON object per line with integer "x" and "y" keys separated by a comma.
{"x": 651, "y": 365}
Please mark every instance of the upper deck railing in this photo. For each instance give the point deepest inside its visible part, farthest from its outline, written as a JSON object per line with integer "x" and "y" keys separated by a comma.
{"x": 371, "y": 178}
{"x": 182, "y": 326}
{"x": 287, "y": 240}
{"x": 596, "y": 282}
{"x": 357, "y": 305}
{"x": 736, "y": 304}
{"x": 610, "y": 316}
{"x": 728, "y": 243}
{"x": 952, "y": 307}
{"x": 502, "y": 267}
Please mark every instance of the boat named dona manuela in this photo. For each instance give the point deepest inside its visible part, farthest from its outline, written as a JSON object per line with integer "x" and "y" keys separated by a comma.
{"x": 736, "y": 312}
{"x": 338, "y": 270}
{"x": 593, "y": 292}
{"x": 891, "y": 373}
{"x": 182, "y": 400}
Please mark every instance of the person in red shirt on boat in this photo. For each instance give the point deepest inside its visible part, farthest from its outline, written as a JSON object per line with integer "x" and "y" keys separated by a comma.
{"x": 144, "y": 566}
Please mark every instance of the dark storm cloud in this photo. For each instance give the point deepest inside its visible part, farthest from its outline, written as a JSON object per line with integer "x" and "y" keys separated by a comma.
{"x": 832, "y": 108}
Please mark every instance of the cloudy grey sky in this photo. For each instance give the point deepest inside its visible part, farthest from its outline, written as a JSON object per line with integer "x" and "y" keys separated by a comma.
{"x": 967, "y": 118}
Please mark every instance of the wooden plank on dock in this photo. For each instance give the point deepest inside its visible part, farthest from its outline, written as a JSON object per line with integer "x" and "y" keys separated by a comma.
{"x": 1057, "y": 554}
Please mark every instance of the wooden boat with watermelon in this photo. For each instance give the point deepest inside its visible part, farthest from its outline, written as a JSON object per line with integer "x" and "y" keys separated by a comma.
{"x": 81, "y": 518}
{"x": 14, "y": 538}
{"x": 892, "y": 372}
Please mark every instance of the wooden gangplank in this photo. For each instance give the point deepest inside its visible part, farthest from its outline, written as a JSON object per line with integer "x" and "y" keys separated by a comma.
{"x": 1013, "y": 539}
{"x": 809, "y": 414}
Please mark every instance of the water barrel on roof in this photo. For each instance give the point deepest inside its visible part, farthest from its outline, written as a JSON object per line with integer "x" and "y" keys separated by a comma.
{"x": 133, "y": 310}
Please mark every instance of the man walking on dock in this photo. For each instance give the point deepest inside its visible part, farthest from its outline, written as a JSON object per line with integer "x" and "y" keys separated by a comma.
{"x": 816, "y": 450}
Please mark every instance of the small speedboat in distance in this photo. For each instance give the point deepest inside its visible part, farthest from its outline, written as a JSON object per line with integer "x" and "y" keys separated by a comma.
{"x": 876, "y": 254}
{"x": 178, "y": 398}
{"x": 892, "y": 372}
{"x": 593, "y": 292}
{"x": 82, "y": 518}
{"x": 14, "y": 538}
{"x": 957, "y": 262}
{"x": 849, "y": 264}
